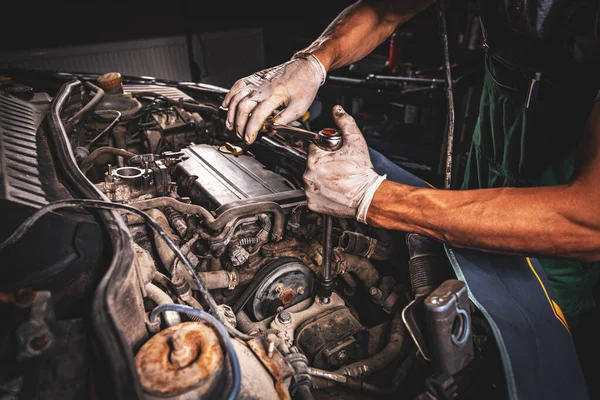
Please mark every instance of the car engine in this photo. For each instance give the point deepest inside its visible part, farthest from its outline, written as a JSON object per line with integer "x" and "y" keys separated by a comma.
{"x": 315, "y": 306}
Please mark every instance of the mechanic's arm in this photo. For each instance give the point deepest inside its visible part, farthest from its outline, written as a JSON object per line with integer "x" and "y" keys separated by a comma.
{"x": 360, "y": 28}
{"x": 558, "y": 221}
{"x": 293, "y": 85}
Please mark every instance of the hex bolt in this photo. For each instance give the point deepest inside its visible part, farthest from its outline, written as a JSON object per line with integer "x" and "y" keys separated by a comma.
{"x": 284, "y": 317}
{"x": 342, "y": 355}
{"x": 300, "y": 290}
{"x": 279, "y": 288}
{"x": 375, "y": 293}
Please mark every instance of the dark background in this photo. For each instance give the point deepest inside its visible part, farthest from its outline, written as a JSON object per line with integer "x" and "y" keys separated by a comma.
{"x": 287, "y": 25}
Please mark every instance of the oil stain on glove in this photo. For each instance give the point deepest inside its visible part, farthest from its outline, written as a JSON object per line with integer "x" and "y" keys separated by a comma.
{"x": 292, "y": 85}
{"x": 342, "y": 183}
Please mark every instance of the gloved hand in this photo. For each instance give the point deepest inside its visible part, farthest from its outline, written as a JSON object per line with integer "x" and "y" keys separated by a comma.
{"x": 292, "y": 85}
{"x": 342, "y": 183}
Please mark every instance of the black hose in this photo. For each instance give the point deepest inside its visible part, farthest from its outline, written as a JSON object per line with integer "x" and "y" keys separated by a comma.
{"x": 105, "y": 205}
{"x": 236, "y": 372}
{"x": 90, "y": 105}
{"x": 89, "y": 161}
{"x": 441, "y": 15}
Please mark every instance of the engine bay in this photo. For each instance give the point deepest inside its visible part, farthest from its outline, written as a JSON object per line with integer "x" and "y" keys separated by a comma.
{"x": 394, "y": 319}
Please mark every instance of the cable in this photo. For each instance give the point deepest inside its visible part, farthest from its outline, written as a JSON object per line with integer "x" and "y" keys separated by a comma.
{"x": 107, "y": 129}
{"x": 449, "y": 95}
{"x": 236, "y": 372}
{"x": 106, "y": 205}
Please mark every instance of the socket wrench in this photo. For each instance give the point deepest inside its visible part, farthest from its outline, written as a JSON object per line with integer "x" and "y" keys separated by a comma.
{"x": 328, "y": 139}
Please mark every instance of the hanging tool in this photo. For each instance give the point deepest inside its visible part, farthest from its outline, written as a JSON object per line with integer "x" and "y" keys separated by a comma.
{"x": 328, "y": 139}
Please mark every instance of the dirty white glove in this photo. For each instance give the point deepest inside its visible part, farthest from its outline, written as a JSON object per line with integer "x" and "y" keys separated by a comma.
{"x": 292, "y": 85}
{"x": 342, "y": 183}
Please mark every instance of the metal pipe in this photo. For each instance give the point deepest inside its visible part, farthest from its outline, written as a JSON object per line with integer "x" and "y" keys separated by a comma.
{"x": 171, "y": 318}
{"x": 89, "y": 161}
{"x": 226, "y": 217}
{"x": 325, "y": 284}
{"x": 405, "y": 79}
{"x": 219, "y": 279}
{"x": 353, "y": 383}
{"x": 441, "y": 14}
{"x": 285, "y": 151}
{"x": 381, "y": 360}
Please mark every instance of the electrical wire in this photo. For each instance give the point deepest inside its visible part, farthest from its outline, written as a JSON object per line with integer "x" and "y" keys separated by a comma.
{"x": 106, "y": 205}
{"x": 236, "y": 372}
{"x": 107, "y": 129}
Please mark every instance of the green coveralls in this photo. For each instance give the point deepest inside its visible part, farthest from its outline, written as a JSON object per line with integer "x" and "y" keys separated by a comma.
{"x": 514, "y": 146}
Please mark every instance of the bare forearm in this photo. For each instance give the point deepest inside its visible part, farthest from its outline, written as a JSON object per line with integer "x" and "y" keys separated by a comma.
{"x": 360, "y": 28}
{"x": 550, "y": 221}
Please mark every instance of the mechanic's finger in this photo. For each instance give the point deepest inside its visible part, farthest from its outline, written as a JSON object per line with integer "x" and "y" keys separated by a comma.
{"x": 259, "y": 117}
{"x": 234, "y": 89}
{"x": 231, "y": 113}
{"x": 345, "y": 122}
{"x": 244, "y": 108}
{"x": 292, "y": 112}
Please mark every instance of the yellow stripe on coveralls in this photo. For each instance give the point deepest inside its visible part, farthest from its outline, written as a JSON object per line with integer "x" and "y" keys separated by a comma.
{"x": 555, "y": 307}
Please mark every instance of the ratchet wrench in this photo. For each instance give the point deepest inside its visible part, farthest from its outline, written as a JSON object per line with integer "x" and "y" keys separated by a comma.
{"x": 328, "y": 139}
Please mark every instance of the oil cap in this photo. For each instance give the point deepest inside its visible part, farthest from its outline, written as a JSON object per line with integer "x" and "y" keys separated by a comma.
{"x": 111, "y": 82}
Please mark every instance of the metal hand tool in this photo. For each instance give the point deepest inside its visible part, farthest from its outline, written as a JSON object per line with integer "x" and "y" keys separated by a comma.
{"x": 328, "y": 139}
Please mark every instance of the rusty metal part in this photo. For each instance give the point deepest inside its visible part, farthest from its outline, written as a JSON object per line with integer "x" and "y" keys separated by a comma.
{"x": 222, "y": 279}
{"x": 275, "y": 364}
{"x": 257, "y": 382}
{"x": 176, "y": 220}
{"x": 181, "y": 359}
{"x": 287, "y": 296}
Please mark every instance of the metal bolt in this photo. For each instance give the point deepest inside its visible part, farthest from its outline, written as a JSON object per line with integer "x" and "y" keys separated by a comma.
{"x": 284, "y": 317}
{"x": 342, "y": 355}
{"x": 279, "y": 288}
{"x": 376, "y": 293}
{"x": 300, "y": 290}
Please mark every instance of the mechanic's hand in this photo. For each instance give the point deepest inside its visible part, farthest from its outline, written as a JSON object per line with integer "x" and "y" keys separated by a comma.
{"x": 253, "y": 99}
{"x": 342, "y": 183}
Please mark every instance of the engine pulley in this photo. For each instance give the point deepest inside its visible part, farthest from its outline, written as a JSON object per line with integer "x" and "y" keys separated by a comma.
{"x": 288, "y": 281}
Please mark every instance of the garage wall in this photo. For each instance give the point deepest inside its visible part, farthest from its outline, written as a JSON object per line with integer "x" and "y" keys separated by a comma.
{"x": 219, "y": 58}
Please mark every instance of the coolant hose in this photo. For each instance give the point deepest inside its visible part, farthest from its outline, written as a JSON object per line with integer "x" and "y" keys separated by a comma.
{"x": 426, "y": 264}
{"x": 360, "y": 266}
{"x": 236, "y": 372}
{"x": 171, "y": 318}
{"x": 379, "y": 361}
{"x": 222, "y": 220}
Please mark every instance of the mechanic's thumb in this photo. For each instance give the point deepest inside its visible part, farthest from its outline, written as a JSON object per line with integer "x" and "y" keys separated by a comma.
{"x": 292, "y": 112}
{"x": 345, "y": 123}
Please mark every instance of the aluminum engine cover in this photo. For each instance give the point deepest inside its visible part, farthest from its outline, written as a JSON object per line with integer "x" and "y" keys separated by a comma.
{"x": 217, "y": 180}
